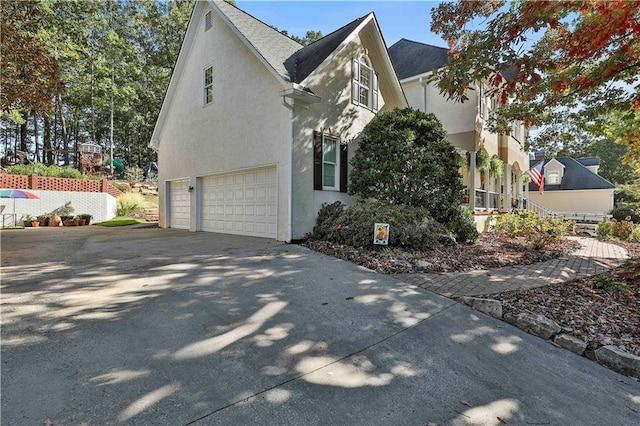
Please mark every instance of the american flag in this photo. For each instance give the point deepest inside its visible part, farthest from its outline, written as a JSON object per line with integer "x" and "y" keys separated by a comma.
{"x": 537, "y": 176}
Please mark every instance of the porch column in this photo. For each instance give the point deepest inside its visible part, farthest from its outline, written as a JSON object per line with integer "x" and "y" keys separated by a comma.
{"x": 519, "y": 192}
{"x": 472, "y": 180}
{"x": 506, "y": 188}
{"x": 488, "y": 179}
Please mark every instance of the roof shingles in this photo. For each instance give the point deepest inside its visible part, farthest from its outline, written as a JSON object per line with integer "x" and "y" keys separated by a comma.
{"x": 576, "y": 177}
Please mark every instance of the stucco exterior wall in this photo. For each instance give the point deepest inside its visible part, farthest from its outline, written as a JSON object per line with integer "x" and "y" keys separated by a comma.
{"x": 458, "y": 118}
{"x": 598, "y": 201}
{"x": 247, "y": 124}
{"x": 336, "y": 115}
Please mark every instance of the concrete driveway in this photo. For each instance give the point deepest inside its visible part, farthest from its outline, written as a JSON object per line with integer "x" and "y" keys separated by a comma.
{"x": 166, "y": 327}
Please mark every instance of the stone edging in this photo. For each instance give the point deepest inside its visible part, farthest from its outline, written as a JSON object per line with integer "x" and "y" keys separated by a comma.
{"x": 610, "y": 356}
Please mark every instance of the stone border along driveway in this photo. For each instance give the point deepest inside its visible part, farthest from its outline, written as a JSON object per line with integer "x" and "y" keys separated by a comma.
{"x": 593, "y": 258}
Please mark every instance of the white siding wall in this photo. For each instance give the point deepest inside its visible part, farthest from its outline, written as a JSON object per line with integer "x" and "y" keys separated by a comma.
{"x": 99, "y": 204}
{"x": 246, "y": 126}
{"x": 599, "y": 201}
{"x": 456, "y": 117}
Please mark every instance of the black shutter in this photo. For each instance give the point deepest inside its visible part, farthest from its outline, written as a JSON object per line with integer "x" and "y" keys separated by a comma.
{"x": 344, "y": 166}
{"x": 317, "y": 161}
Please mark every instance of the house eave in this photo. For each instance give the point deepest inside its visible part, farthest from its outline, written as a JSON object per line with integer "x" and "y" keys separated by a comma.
{"x": 298, "y": 93}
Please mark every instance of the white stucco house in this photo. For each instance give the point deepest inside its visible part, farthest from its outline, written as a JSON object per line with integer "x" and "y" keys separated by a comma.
{"x": 256, "y": 130}
{"x": 466, "y": 126}
{"x": 573, "y": 188}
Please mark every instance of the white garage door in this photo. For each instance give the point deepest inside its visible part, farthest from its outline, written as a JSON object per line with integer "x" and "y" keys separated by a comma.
{"x": 243, "y": 203}
{"x": 179, "y": 211}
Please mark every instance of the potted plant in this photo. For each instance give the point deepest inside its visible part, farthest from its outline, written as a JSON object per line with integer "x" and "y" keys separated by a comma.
{"x": 30, "y": 221}
{"x": 86, "y": 216}
{"x": 44, "y": 219}
{"x": 65, "y": 212}
{"x": 55, "y": 220}
{"x": 79, "y": 221}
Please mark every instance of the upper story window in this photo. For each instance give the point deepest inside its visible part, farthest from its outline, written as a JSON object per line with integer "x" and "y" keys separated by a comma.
{"x": 207, "y": 21}
{"x": 553, "y": 178}
{"x": 365, "y": 84}
{"x": 207, "y": 85}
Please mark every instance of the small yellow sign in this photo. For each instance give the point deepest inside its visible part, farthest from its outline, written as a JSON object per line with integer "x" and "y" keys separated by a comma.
{"x": 381, "y": 234}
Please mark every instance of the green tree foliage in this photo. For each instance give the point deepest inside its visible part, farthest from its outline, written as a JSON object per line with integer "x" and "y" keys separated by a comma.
{"x": 309, "y": 38}
{"x": 548, "y": 61}
{"x": 29, "y": 72}
{"x": 403, "y": 158}
{"x": 121, "y": 48}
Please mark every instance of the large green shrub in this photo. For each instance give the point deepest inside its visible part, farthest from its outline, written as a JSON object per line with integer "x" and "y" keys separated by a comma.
{"x": 403, "y": 158}
{"x": 622, "y": 211}
{"x": 409, "y": 227}
{"x": 327, "y": 219}
{"x": 463, "y": 226}
{"x": 526, "y": 224}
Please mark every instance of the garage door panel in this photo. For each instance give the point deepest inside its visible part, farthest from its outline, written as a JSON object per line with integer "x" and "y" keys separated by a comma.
{"x": 179, "y": 204}
{"x": 244, "y": 203}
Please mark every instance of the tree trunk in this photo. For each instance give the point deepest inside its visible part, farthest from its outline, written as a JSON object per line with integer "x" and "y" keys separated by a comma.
{"x": 47, "y": 153}
{"x": 65, "y": 136}
{"x": 23, "y": 133}
{"x": 36, "y": 149}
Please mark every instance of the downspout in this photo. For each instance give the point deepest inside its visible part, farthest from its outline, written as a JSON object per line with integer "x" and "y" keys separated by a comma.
{"x": 423, "y": 82}
{"x": 290, "y": 107}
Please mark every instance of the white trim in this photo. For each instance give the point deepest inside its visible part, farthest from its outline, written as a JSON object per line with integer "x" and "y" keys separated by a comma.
{"x": 336, "y": 176}
{"x": 205, "y": 86}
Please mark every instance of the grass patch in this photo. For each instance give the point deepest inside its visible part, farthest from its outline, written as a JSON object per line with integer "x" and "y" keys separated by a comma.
{"x": 121, "y": 221}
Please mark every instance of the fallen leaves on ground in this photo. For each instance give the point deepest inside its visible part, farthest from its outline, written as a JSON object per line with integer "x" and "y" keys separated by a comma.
{"x": 491, "y": 251}
{"x": 602, "y": 310}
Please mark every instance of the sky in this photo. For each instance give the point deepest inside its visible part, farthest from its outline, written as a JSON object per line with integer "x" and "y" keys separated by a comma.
{"x": 397, "y": 19}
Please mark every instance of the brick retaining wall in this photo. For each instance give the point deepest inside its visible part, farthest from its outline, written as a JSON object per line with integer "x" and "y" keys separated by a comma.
{"x": 57, "y": 184}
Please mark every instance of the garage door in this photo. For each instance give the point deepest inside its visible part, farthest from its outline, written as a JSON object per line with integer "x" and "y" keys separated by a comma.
{"x": 179, "y": 211}
{"x": 243, "y": 203}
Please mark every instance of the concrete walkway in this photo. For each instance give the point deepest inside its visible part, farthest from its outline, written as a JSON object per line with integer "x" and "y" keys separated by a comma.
{"x": 593, "y": 258}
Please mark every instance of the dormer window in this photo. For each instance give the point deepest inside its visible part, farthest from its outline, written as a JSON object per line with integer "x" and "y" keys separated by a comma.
{"x": 553, "y": 178}
{"x": 365, "y": 84}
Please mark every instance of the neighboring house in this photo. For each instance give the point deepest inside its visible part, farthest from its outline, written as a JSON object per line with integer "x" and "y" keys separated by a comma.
{"x": 256, "y": 131}
{"x": 466, "y": 126}
{"x": 573, "y": 188}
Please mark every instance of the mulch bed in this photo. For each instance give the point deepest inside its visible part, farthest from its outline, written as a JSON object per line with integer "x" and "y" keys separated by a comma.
{"x": 600, "y": 310}
{"x": 489, "y": 252}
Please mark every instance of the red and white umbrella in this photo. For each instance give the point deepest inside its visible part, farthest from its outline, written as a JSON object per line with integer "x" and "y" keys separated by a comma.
{"x": 16, "y": 193}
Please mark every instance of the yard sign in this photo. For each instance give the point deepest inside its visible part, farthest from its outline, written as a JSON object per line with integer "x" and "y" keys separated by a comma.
{"x": 381, "y": 234}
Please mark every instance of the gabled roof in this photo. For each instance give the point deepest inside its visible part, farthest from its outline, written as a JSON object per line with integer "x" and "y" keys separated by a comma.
{"x": 289, "y": 62}
{"x": 414, "y": 58}
{"x": 306, "y": 60}
{"x": 270, "y": 43}
{"x": 576, "y": 177}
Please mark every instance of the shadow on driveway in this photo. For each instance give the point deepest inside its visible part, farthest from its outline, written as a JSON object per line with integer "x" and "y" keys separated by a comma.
{"x": 160, "y": 326}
